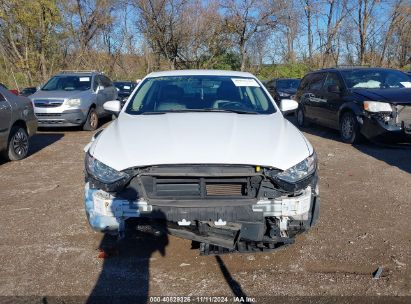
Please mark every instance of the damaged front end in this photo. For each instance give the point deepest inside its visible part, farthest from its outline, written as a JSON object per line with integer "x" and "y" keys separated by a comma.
{"x": 226, "y": 208}
{"x": 389, "y": 125}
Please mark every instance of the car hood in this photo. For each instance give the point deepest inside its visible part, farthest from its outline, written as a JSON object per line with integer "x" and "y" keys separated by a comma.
{"x": 395, "y": 96}
{"x": 200, "y": 138}
{"x": 57, "y": 94}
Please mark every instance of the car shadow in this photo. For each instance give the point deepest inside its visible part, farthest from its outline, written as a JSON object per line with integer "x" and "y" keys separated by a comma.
{"x": 39, "y": 141}
{"x": 394, "y": 155}
{"x": 125, "y": 274}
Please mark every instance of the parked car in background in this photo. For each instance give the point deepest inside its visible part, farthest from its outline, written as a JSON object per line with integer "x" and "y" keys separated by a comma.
{"x": 370, "y": 102}
{"x": 73, "y": 98}
{"x": 284, "y": 88}
{"x": 185, "y": 151}
{"x": 15, "y": 92}
{"x": 124, "y": 88}
{"x": 17, "y": 124}
{"x": 28, "y": 91}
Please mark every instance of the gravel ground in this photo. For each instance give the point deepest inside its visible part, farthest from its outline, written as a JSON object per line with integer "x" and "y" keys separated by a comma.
{"x": 48, "y": 249}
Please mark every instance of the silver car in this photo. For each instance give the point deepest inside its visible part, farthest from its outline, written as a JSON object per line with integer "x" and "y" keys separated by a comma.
{"x": 73, "y": 98}
{"x": 17, "y": 124}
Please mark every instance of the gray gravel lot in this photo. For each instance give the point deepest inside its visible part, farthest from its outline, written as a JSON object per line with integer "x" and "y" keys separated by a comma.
{"x": 47, "y": 247}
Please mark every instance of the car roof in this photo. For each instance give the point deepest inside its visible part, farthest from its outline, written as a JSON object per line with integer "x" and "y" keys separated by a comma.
{"x": 344, "y": 68}
{"x": 200, "y": 73}
{"x": 78, "y": 73}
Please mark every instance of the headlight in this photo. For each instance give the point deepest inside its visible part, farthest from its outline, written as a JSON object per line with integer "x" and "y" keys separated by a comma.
{"x": 300, "y": 170}
{"x": 73, "y": 102}
{"x": 282, "y": 94}
{"x": 376, "y": 106}
{"x": 102, "y": 172}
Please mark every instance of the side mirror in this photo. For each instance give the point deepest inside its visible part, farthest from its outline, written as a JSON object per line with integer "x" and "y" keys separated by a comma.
{"x": 99, "y": 88}
{"x": 112, "y": 107}
{"x": 288, "y": 106}
{"x": 334, "y": 89}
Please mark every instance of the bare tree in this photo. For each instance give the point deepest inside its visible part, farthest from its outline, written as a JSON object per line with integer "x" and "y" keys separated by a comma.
{"x": 246, "y": 18}
{"x": 163, "y": 24}
{"x": 308, "y": 11}
{"x": 337, "y": 12}
{"x": 365, "y": 10}
{"x": 86, "y": 20}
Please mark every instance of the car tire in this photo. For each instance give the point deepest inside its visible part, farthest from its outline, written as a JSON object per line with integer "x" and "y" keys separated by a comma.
{"x": 91, "y": 123}
{"x": 301, "y": 119}
{"x": 349, "y": 128}
{"x": 18, "y": 144}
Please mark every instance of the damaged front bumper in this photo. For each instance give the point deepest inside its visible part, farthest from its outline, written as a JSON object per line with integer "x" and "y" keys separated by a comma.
{"x": 264, "y": 217}
{"x": 394, "y": 127}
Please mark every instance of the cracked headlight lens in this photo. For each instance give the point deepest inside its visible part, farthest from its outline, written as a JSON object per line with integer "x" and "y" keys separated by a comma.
{"x": 300, "y": 170}
{"x": 102, "y": 172}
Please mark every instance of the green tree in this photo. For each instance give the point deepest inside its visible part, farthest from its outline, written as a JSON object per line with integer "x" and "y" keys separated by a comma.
{"x": 29, "y": 37}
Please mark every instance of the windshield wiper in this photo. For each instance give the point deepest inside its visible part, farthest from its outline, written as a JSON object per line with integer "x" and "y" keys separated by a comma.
{"x": 213, "y": 110}
{"x": 231, "y": 111}
{"x": 200, "y": 110}
{"x": 152, "y": 113}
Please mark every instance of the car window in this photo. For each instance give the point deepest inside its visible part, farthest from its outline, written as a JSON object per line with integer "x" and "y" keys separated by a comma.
{"x": 306, "y": 81}
{"x": 317, "y": 80}
{"x": 200, "y": 93}
{"x": 332, "y": 79}
{"x": 105, "y": 81}
{"x": 68, "y": 83}
{"x": 2, "y": 97}
{"x": 96, "y": 82}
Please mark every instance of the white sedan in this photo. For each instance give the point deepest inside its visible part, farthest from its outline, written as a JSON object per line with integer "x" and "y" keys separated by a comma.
{"x": 208, "y": 156}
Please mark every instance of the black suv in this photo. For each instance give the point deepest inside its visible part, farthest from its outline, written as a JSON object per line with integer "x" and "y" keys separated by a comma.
{"x": 374, "y": 102}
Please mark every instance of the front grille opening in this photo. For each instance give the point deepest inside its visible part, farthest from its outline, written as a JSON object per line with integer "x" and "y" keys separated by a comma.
{"x": 197, "y": 187}
{"x": 226, "y": 189}
{"x": 175, "y": 188}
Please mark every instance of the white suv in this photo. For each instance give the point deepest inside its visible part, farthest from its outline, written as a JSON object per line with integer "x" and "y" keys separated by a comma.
{"x": 208, "y": 155}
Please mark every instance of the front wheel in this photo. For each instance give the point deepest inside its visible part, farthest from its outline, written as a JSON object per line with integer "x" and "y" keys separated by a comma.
{"x": 349, "y": 128}
{"x": 18, "y": 145}
{"x": 91, "y": 123}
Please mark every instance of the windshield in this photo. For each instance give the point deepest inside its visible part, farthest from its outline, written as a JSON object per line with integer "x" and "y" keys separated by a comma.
{"x": 376, "y": 79}
{"x": 285, "y": 84}
{"x": 200, "y": 93}
{"x": 68, "y": 83}
{"x": 124, "y": 86}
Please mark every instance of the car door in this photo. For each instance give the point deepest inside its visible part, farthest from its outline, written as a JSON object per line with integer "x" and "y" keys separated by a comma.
{"x": 311, "y": 97}
{"x": 331, "y": 94}
{"x": 5, "y": 118}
